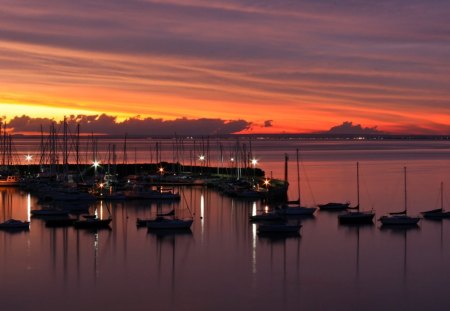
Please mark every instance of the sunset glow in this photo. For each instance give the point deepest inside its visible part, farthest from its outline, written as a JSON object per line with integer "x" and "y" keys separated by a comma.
{"x": 285, "y": 67}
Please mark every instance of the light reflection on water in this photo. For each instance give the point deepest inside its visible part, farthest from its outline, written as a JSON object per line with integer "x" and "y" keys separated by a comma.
{"x": 222, "y": 264}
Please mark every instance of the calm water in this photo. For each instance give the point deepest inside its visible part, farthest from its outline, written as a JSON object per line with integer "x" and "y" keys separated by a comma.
{"x": 224, "y": 265}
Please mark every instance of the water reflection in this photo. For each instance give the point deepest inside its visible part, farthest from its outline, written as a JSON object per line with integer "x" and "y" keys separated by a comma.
{"x": 172, "y": 250}
{"x": 222, "y": 264}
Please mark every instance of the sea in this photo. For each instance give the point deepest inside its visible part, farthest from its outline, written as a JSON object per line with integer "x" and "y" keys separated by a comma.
{"x": 222, "y": 263}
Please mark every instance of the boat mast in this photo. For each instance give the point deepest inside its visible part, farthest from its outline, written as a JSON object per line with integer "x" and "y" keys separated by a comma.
{"x": 406, "y": 201}
{"x": 442, "y": 195}
{"x": 298, "y": 179}
{"x": 286, "y": 158}
{"x": 357, "y": 185}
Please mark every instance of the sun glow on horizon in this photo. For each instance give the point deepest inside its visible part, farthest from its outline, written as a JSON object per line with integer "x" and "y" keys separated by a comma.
{"x": 40, "y": 111}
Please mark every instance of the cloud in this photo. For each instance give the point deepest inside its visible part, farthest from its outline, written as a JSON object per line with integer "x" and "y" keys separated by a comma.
{"x": 268, "y": 123}
{"x": 105, "y": 124}
{"x": 227, "y": 58}
{"x": 352, "y": 129}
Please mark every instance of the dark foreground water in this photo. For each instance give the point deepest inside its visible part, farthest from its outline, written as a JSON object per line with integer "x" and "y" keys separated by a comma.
{"x": 222, "y": 264}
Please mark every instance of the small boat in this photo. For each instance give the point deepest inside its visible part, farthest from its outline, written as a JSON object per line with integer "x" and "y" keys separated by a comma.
{"x": 294, "y": 208}
{"x": 334, "y": 206}
{"x": 171, "y": 221}
{"x": 166, "y": 223}
{"x": 354, "y": 215}
{"x": 92, "y": 223}
{"x": 279, "y": 228}
{"x": 10, "y": 181}
{"x": 438, "y": 213}
{"x": 14, "y": 224}
{"x": 400, "y": 218}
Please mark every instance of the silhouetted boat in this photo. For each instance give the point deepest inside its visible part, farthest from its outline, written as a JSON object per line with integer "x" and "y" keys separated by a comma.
{"x": 355, "y": 216}
{"x": 334, "y": 206}
{"x": 92, "y": 223}
{"x": 296, "y": 209}
{"x": 142, "y": 222}
{"x": 400, "y": 218}
{"x": 14, "y": 224}
{"x": 438, "y": 213}
{"x": 171, "y": 221}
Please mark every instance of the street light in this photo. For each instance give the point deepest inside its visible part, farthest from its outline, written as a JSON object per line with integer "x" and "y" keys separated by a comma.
{"x": 202, "y": 160}
{"x": 95, "y": 164}
{"x": 28, "y": 158}
{"x": 254, "y": 162}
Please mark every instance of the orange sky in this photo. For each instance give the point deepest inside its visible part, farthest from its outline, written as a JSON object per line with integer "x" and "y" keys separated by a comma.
{"x": 303, "y": 70}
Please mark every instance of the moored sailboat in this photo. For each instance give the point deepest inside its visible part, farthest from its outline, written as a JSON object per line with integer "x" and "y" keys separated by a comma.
{"x": 438, "y": 213}
{"x": 296, "y": 209}
{"x": 400, "y": 218}
{"x": 170, "y": 221}
{"x": 13, "y": 224}
{"x": 356, "y": 216}
{"x": 92, "y": 222}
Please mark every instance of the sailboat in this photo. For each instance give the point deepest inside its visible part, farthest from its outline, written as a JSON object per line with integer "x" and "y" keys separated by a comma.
{"x": 170, "y": 221}
{"x": 295, "y": 208}
{"x": 400, "y": 218}
{"x": 334, "y": 206}
{"x": 14, "y": 224}
{"x": 438, "y": 213}
{"x": 93, "y": 221}
{"x": 356, "y": 216}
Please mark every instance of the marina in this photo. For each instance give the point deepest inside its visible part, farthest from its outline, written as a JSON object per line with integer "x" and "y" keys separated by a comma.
{"x": 224, "y": 155}
{"x": 191, "y": 263}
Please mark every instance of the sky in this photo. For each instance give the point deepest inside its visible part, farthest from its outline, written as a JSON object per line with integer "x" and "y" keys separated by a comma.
{"x": 272, "y": 66}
